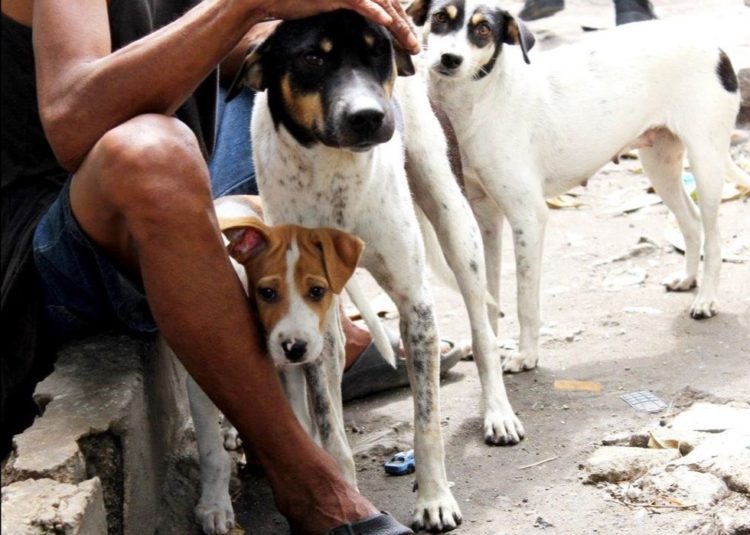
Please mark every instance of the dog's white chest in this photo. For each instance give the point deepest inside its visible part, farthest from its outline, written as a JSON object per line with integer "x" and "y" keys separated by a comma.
{"x": 322, "y": 186}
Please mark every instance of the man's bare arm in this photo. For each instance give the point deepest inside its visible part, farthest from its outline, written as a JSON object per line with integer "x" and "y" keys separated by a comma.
{"x": 85, "y": 89}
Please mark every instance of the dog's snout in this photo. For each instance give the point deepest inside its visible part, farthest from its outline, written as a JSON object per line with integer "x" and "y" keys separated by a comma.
{"x": 366, "y": 120}
{"x": 451, "y": 61}
{"x": 294, "y": 349}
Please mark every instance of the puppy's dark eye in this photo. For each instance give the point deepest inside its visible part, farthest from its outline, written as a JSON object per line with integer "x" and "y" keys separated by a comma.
{"x": 268, "y": 295}
{"x": 483, "y": 30}
{"x": 441, "y": 17}
{"x": 316, "y": 293}
{"x": 316, "y": 60}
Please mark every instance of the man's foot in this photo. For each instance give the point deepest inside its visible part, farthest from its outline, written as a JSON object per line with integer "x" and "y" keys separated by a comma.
{"x": 539, "y": 9}
{"x": 627, "y": 11}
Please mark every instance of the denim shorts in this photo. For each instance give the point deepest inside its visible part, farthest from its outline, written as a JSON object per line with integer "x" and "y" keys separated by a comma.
{"x": 84, "y": 290}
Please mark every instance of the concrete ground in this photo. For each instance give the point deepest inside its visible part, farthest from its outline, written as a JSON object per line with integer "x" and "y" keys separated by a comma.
{"x": 604, "y": 321}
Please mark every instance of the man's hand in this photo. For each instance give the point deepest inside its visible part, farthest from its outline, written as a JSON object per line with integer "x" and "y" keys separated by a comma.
{"x": 388, "y": 13}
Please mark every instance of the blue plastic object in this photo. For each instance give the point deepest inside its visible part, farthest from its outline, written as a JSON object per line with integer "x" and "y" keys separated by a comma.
{"x": 400, "y": 464}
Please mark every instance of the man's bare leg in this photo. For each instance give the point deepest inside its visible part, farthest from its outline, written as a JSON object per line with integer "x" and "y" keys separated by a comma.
{"x": 143, "y": 195}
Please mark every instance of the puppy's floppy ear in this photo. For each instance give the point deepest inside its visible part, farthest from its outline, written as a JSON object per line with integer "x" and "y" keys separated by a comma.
{"x": 341, "y": 252}
{"x": 247, "y": 237}
{"x": 418, "y": 10}
{"x": 516, "y": 33}
{"x": 251, "y": 73}
{"x": 404, "y": 64}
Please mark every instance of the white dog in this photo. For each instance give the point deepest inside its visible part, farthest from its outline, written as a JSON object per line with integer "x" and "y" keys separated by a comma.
{"x": 531, "y": 131}
{"x": 328, "y": 146}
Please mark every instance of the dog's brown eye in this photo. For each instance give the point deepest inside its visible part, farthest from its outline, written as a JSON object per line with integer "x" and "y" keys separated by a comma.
{"x": 439, "y": 18}
{"x": 483, "y": 30}
{"x": 316, "y": 293}
{"x": 314, "y": 59}
{"x": 267, "y": 294}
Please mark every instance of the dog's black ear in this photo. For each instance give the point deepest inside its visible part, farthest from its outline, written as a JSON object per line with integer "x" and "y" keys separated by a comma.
{"x": 404, "y": 64}
{"x": 251, "y": 73}
{"x": 418, "y": 10}
{"x": 516, "y": 33}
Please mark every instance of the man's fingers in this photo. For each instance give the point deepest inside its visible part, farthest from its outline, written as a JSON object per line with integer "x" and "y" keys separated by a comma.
{"x": 390, "y": 14}
{"x": 373, "y": 10}
{"x": 400, "y": 27}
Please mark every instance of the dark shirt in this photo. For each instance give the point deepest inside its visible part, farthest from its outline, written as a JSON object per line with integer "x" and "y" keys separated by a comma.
{"x": 31, "y": 176}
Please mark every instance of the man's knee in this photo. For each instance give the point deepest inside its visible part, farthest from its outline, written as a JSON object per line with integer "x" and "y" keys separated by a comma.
{"x": 151, "y": 162}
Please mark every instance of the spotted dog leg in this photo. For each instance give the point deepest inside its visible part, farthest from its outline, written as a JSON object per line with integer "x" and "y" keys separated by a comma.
{"x": 323, "y": 378}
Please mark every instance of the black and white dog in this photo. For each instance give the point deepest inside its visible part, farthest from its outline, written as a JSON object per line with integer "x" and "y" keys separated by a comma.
{"x": 530, "y": 131}
{"x": 329, "y": 151}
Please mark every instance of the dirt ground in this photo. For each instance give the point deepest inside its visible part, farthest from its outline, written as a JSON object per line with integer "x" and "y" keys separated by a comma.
{"x": 604, "y": 321}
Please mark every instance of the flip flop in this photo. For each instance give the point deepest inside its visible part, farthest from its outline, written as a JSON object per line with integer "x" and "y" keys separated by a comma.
{"x": 371, "y": 374}
{"x": 380, "y": 524}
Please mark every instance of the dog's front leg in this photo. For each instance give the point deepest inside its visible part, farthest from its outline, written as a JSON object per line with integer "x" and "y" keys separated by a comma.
{"x": 527, "y": 214}
{"x": 436, "y": 508}
{"x": 214, "y": 510}
{"x": 438, "y": 194}
{"x": 295, "y": 385}
{"x": 328, "y": 415}
{"x": 490, "y": 220}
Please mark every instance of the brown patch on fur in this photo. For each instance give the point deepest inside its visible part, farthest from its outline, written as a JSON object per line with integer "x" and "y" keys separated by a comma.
{"x": 327, "y": 258}
{"x": 451, "y": 11}
{"x": 477, "y": 18}
{"x": 513, "y": 32}
{"x": 305, "y": 109}
{"x": 369, "y": 39}
{"x": 326, "y": 45}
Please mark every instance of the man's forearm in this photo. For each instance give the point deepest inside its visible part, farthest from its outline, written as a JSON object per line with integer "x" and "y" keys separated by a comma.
{"x": 85, "y": 90}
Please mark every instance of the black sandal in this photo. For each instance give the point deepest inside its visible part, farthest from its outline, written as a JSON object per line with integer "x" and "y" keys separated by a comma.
{"x": 380, "y": 524}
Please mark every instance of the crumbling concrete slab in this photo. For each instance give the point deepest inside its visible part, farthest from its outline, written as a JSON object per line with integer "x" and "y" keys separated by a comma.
{"x": 114, "y": 409}
{"x": 47, "y": 506}
{"x": 725, "y": 455}
{"x": 613, "y": 464}
{"x": 712, "y": 418}
{"x": 684, "y": 486}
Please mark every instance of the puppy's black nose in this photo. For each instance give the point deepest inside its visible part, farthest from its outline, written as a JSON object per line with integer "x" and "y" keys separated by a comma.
{"x": 366, "y": 120}
{"x": 294, "y": 349}
{"x": 451, "y": 61}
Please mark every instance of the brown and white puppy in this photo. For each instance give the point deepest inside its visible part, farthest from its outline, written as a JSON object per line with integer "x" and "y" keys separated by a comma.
{"x": 292, "y": 276}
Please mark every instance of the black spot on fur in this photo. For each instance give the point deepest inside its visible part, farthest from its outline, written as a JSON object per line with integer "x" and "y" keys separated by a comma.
{"x": 726, "y": 73}
{"x": 473, "y": 266}
{"x": 420, "y": 333}
{"x": 319, "y": 397}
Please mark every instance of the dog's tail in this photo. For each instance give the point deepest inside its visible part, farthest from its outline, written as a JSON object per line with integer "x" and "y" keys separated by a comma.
{"x": 379, "y": 336}
{"x": 435, "y": 257}
{"x": 736, "y": 174}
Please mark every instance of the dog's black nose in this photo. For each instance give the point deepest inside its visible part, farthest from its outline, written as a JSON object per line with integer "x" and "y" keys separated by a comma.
{"x": 366, "y": 120}
{"x": 294, "y": 349}
{"x": 451, "y": 61}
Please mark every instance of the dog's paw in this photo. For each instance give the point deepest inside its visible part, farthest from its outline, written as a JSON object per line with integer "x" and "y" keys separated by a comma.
{"x": 518, "y": 361}
{"x": 230, "y": 437}
{"x": 704, "y": 307}
{"x": 679, "y": 282}
{"x": 215, "y": 517}
{"x": 437, "y": 514}
{"x": 502, "y": 428}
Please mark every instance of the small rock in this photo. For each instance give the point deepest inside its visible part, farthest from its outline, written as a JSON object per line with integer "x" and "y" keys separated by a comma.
{"x": 542, "y": 523}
